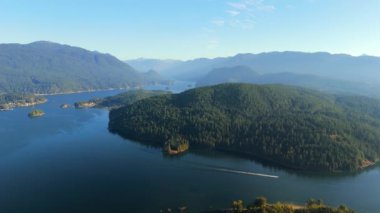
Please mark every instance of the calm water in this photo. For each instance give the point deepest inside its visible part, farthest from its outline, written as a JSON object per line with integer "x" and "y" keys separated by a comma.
{"x": 67, "y": 161}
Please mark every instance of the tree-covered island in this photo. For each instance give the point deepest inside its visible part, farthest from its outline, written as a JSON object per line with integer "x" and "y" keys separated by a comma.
{"x": 288, "y": 126}
{"x": 36, "y": 113}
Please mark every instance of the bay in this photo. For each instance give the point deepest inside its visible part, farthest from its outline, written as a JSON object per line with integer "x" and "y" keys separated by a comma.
{"x": 68, "y": 161}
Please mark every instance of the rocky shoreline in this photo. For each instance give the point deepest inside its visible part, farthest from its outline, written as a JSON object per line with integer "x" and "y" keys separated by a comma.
{"x": 84, "y": 91}
{"x": 11, "y": 105}
{"x": 84, "y": 104}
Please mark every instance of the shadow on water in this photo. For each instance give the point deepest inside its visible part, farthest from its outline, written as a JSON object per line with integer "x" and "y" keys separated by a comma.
{"x": 278, "y": 168}
{"x": 266, "y": 164}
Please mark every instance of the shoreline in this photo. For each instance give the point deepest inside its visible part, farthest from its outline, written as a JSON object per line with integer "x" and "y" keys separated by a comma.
{"x": 13, "y": 105}
{"x": 275, "y": 163}
{"x": 368, "y": 164}
{"x": 238, "y": 206}
{"x": 258, "y": 159}
{"x": 83, "y": 91}
{"x": 96, "y": 90}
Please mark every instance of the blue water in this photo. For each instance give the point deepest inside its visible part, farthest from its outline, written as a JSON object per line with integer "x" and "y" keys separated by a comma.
{"x": 67, "y": 161}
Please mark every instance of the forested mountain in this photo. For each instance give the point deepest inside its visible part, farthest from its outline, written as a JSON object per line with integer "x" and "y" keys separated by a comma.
{"x": 45, "y": 67}
{"x": 244, "y": 74}
{"x": 291, "y": 126}
{"x": 337, "y": 66}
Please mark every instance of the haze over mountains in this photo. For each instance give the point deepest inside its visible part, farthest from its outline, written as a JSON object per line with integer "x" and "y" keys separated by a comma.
{"x": 146, "y": 64}
{"x": 339, "y": 66}
{"x": 244, "y": 74}
{"x": 322, "y": 71}
{"x": 46, "y": 67}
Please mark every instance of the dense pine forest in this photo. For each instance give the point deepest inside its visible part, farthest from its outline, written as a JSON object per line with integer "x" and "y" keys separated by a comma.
{"x": 295, "y": 127}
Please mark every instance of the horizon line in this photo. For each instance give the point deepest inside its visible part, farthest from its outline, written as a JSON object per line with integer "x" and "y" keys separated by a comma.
{"x": 195, "y": 58}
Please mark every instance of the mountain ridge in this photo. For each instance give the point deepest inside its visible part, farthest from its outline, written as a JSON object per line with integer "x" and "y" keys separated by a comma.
{"x": 340, "y": 66}
{"x": 46, "y": 67}
{"x": 245, "y": 74}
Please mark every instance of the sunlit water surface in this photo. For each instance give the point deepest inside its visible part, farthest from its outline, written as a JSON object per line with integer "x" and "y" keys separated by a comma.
{"x": 67, "y": 161}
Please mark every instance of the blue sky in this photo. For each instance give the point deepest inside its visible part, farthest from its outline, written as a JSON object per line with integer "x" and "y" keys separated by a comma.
{"x": 186, "y": 29}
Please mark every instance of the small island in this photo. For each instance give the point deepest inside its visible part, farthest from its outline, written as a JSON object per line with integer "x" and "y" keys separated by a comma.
{"x": 36, "y": 113}
{"x": 65, "y": 106}
{"x": 176, "y": 145}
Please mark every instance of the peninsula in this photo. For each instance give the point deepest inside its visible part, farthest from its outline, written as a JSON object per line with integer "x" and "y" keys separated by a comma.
{"x": 120, "y": 100}
{"x": 288, "y": 126}
{"x": 13, "y": 100}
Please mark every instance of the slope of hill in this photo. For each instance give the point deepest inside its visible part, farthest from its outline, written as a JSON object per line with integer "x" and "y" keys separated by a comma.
{"x": 294, "y": 127}
{"x": 45, "y": 67}
{"x": 244, "y": 74}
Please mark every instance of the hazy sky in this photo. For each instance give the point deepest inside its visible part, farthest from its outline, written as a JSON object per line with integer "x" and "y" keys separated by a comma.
{"x": 184, "y": 29}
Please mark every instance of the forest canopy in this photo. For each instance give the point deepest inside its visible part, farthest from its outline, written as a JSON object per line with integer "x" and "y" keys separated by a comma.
{"x": 295, "y": 127}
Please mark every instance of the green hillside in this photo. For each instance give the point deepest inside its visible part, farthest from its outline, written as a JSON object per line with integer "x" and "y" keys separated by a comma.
{"x": 294, "y": 127}
{"x": 45, "y": 67}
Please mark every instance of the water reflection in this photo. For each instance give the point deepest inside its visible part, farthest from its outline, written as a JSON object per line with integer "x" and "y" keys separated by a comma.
{"x": 68, "y": 160}
{"x": 267, "y": 165}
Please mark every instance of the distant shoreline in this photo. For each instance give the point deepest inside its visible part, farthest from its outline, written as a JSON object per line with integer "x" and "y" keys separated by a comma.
{"x": 83, "y": 91}
{"x": 93, "y": 90}
{"x": 17, "y": 104}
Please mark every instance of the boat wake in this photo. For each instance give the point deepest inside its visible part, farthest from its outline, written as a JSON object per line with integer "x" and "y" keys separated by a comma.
{"x": 242, "y": 172}
{"x": 233, "y": 171}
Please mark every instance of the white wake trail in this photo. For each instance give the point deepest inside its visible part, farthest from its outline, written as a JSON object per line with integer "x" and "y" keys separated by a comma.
{"x": 242, "y": 172}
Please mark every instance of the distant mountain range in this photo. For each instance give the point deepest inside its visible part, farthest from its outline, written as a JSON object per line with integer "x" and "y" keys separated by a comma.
{"x": 295, "y": 68}
{"x": 46, "y": 67}
{"x": 337, "y": 66}
{"x": 244, "y": 74}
